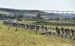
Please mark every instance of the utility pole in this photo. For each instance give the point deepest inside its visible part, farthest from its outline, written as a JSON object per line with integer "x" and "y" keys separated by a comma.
{"x": 16, "y": 24}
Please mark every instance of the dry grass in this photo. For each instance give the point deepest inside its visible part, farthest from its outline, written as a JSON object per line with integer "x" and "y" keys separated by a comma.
{"x": 24, "y": 37}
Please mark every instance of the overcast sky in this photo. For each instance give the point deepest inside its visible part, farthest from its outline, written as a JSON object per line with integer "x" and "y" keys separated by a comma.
{"x": 66, "y": 5}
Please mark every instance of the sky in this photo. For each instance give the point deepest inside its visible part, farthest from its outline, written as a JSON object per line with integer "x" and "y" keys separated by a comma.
{"x": 62, "y": 5}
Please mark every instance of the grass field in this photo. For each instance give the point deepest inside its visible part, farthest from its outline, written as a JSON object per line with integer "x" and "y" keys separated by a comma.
{"x": 25, "y": 37}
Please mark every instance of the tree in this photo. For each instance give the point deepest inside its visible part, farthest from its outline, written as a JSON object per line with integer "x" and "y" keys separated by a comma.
{"x": 38, "y": 16}
{"x": 20, "y": 16}
{"x": 73, "y": 18}
{"x": 39, "y": 19}
{"x": 1, "y": 15}
{"x": 57, "y": 18}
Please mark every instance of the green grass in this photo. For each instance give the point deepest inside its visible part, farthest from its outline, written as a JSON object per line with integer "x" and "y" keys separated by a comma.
{"x": 25, "y": 37}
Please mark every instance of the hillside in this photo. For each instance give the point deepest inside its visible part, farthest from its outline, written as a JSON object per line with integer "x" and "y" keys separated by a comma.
{"x": 24, "y": 37}
{"x": 33, "y": 13}
{"x": 20, "y": 11}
